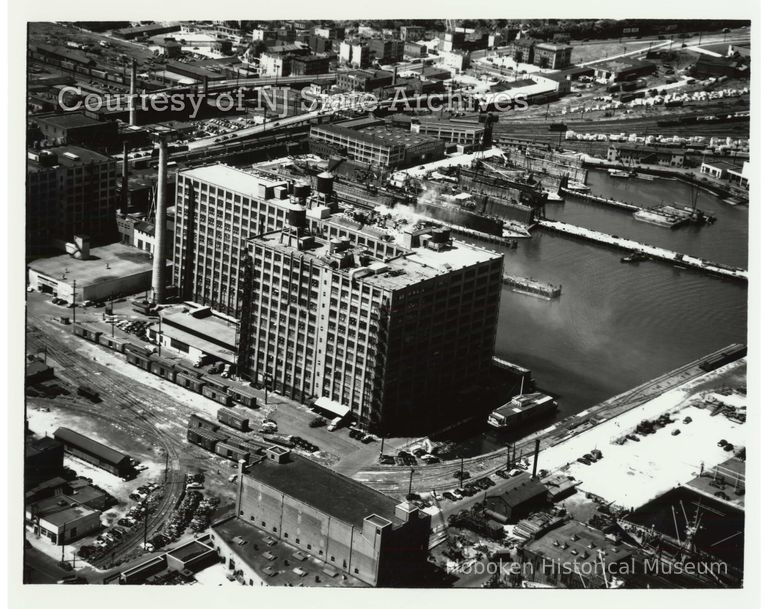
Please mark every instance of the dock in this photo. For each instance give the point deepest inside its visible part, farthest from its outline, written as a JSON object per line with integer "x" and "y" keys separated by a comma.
{"x": 601, "y": 200}
{"x": 658, "y": 253}
{"x": 528, "y": 285}
{"x": 476, "y": 234}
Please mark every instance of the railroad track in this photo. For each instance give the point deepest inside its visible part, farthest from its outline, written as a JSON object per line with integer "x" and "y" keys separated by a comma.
{"x": 132, "y": 413}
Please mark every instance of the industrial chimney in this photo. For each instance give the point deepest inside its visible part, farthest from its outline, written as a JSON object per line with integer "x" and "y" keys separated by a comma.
{"x": 158, "y": 261}
{"x": 536, "y": 458}
{"x": 132, "y": 102}
{"x": 124, "y": 182}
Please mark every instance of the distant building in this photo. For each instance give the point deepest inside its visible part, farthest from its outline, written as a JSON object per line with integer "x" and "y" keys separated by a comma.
{"x": 311, "y": 64}
{"x": 363, "y": 80}
{"x": 75, "y": 128}
{"x": 386, "y": 50}
{"x": 707, "y": 66}
{"x": 274, "y": 65}
{"x": 552, "y": 56}
{"x": 411, "y": 33}
{"x": 354, "y": 53}
{"x": 468, "y": 134}
{"x": 170, "y": 47}
{"x": 146, "y": 31}
{"x": 374, "y": 143}
{"x": 413, "y": 49}
{"x": 647, "y": 155}
{"x": 436, "y": 73}
{"x": 70, "y": 190}
{"x": 740, "y": 176}
{"x": 622, "y": 69}
{"x": 456, "y": 62}
{"x": 718, "y": 170}
{"x": 522, "y": 50}
{"x": 360, "y": 532}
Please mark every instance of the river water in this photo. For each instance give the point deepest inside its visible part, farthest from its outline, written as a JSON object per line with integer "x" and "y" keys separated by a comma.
{"x": 617, "y": 325}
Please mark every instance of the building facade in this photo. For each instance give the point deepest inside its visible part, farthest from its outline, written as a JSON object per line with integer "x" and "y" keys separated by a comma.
{"x": 385, "y": 325}
{"x": 361, "y": 532}
{"x": 552, "y": 56}
{"x": 70, "y": 190}
{"x": 217, "y": 209}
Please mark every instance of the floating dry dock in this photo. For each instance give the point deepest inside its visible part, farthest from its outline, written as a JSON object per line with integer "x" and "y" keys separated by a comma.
{"x": 658, "y": 253}
{"x": 528, "y": 285}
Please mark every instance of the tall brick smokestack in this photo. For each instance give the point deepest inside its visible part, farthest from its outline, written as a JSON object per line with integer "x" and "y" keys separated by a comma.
{"x": 158, "y": 261}
{"x": 124, "y": 184}
{"x": 132, "y": 93}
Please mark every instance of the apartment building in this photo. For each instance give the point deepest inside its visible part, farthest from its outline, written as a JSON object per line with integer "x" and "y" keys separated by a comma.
{"x": 387, "y": 321}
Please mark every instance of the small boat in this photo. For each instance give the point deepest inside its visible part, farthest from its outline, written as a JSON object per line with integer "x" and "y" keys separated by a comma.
{"x": 618, "y": 173}
{"x": 645, "y": 176}
{"x": 636, "y": 256}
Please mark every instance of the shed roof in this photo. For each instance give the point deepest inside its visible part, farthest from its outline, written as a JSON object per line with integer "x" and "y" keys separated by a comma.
{"x": 71, "y": 437}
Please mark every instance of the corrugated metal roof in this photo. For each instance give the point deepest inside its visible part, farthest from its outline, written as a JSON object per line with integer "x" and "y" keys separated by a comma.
{"x": 110, "y": 455}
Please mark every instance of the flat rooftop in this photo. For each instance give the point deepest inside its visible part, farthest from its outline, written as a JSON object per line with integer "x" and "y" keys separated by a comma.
{"x": 249, "y": 544}
{"x": 232, "y": 179}
{"x": 342, "y": 498}
{"x": 418, "y": 264}
{"x": 105, "y": 264}
{"x": 84, "y": 156}
{"x": 69, "y": 120}
{"x": 576, "y": 543}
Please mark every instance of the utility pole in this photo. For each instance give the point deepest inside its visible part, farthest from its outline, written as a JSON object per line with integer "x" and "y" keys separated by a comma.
{"x": 165, "y": 477}
{"x": 74, "y": 308}
{"x": 508, "y": 466}
{"x": 381, "y": 450}
{"x": 461, "y": 474}
{"x": 145, "y": 523}
{"x": 160, "y": 333}
{"x": 410, "y": 483}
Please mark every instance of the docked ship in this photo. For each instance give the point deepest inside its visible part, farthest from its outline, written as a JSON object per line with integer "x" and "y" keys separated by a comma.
{"x": 672, "y": 216}
{"x": 636, "y": 256}
{"x": 522, "y": 409}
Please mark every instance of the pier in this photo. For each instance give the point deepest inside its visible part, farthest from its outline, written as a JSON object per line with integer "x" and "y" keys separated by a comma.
{"x": 657, "y": 253}
{"x": 476, "y": 234}
{"x": 527, "y": 285}
{"x": 601, "y": 200}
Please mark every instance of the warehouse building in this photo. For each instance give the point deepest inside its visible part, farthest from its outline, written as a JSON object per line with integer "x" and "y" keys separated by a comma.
{"x": 351, "y": 527}
{"x": 574, "y": 555}
{"x": 94, "y": 452}
{"x": 61, "y": 520}
{"x": 524, "y": 495}
{"x": 622, "y": 69}
{"x": 647, "y": 155}
{"x": 105, "y": 272}
{"x": 375, "y": 144}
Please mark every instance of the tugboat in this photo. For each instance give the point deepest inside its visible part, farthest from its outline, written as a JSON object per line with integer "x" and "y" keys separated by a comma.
{"x": 636, "y": 256}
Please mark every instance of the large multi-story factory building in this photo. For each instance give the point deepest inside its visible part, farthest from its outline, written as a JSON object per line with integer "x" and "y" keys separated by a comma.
{"x": 386, "y": 322}
{"x": 217, "y": 209}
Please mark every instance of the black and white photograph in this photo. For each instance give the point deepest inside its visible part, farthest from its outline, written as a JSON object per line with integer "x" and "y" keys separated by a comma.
{"x": 387, "y": 302}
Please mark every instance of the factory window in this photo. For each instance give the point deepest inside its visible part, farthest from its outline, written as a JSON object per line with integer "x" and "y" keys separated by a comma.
{"x": 263, "y": 523}
{"x": 285, "y": 535}
{"x": 357, "y": 570}
{"x": 333, "y": 559}
{"x": 309, "y": 546}
{"x": 274, "y": 529}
